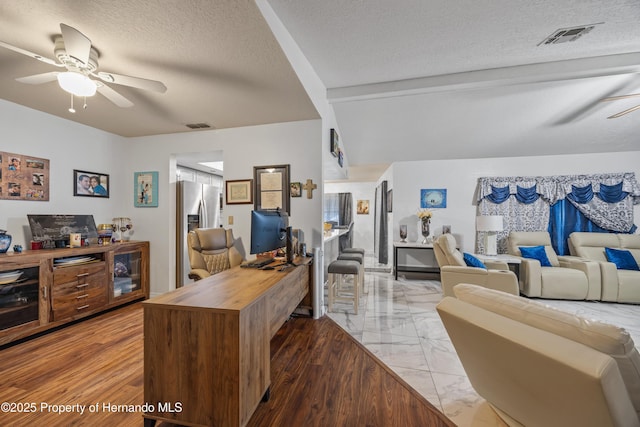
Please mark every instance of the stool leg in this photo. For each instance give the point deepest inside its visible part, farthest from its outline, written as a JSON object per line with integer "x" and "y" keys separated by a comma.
{"x": 356, "y": 293}
{"x": 330, "y": 289}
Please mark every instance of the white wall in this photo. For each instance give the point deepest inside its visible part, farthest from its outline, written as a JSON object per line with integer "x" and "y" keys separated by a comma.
{"x": 297, "y": 144}
{"x": 460, "y": 177}
{"x": 69, "y": 146}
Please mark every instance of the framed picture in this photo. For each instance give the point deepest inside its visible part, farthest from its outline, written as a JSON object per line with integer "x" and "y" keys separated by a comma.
{"x": 433, "y": 198}
{"x": 362, "y": 207}
{"x": 90, "y": 184}
{"x": 23, "y": 177}
{"x": 271, "y": 185}
{"x": 296, "y": 189}
{"x": 145, "y": 189}
{"x": 239, "y": 191}
{"x": 446, "y": 229}
{"x": 335, "y": 143}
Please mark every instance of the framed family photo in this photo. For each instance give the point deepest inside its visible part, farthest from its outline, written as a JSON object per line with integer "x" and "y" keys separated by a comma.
{"x": 145, "y": 189}
{"x": 90, "y": 184}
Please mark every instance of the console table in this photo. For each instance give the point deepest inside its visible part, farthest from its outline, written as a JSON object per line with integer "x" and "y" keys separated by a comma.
{"x": 414, "y": 257}
{"x": 47, "y": 288}
{"x": 207, "y": 344}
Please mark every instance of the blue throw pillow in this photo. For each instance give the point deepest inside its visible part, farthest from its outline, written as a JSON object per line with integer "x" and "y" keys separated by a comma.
{"x": 536, "y": 252}
{"x": 472, "y": 261}
{"x": 623, "y": 260}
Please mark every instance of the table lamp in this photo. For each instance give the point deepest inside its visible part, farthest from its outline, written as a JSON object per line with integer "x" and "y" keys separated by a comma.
{"x": 490, "y": 224}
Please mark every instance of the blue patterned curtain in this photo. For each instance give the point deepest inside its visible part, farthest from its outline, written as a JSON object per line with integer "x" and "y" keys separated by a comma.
{"x": 560, "y": 204}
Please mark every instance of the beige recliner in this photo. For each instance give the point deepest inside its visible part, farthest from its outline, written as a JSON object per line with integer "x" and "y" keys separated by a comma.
{"x": 454, "y": 270}
{"x": 538, "y": 366}
{"x": 617, "y": 285}
{"x": 568, "y": 277}
{"x": 211, "y": 250}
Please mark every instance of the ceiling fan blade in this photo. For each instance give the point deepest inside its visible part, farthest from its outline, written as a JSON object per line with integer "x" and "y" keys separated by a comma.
{"x": 622, "y": 113}
{"x": 136, "y": 82}
{"x": 113, "y": 96}
{"x": 31, "y": 54}
{"x": 37, "y": 79}
{"x": 615, "y": 98}
{"x": 76, "y": 44}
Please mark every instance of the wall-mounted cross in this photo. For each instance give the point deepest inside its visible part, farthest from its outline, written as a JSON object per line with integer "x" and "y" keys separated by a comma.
{"x": 309, "y": 186}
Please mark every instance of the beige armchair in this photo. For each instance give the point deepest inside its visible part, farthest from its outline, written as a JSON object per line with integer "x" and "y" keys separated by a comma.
{"x": 568, "y": 277}
{"x": 211, "y": 250}
{"x": 454, "y": 270}
{"x": 537, "y": 366}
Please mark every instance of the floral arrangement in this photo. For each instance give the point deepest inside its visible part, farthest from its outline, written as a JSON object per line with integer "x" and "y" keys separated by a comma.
{"x": 424, "y": 213}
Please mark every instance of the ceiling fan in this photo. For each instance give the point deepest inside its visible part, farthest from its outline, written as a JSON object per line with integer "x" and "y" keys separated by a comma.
{"x": 627, "y": 111}
{"x": 74, "y": 52}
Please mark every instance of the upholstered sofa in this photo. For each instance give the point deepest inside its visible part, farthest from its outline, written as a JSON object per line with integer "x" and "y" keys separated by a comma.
{"x": 538, "y": 366}
{"x": 211, "y": 250}
{"x": 454, "y": 270}
{"x": 564, "y": 277}
{"x": 617, "y": 285}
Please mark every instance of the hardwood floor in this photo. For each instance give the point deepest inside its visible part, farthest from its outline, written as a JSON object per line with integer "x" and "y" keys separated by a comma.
{"x": 320, "y": 376}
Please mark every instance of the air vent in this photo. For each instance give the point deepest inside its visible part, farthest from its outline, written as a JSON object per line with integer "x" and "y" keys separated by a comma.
{"x": 198, "y": 126}
{"x": 563, "y": 35}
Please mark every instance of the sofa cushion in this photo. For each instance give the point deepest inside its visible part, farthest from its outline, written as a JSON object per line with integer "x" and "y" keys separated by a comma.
{"x": 621, "y": 258}
{"x": 609, "y": 339}
{"x": 472, "y": 261}
{"x": 536, "y": 252}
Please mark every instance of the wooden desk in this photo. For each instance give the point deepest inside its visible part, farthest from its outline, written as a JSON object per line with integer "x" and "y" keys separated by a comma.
{"x": 206, "y": 345}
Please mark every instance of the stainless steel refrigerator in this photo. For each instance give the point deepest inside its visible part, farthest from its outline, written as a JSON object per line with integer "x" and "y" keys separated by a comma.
{"x": 198, "y": 206}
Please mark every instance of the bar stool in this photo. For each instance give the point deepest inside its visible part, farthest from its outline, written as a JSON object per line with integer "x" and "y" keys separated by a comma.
{"x": 343, "y": 268}
{"x": 353, "y": 256}
{"x": 352, "y": 250}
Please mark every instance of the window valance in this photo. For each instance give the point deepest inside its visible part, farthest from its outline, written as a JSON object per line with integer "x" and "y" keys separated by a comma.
{"x": 610, "y": 187}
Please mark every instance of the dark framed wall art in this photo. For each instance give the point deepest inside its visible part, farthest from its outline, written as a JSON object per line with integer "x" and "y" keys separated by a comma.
{"x": 90, "y": 184}
{"x": 271, "y": 185}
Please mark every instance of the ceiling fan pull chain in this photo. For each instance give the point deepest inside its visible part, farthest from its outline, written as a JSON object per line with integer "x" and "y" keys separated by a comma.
{"x": 72, "y": 110}
{"x": 84, "y": 107}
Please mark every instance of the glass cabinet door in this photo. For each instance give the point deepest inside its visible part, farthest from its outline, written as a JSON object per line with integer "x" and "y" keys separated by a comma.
{"x": 19, "y": 297}
{"x": 126, "y": 273}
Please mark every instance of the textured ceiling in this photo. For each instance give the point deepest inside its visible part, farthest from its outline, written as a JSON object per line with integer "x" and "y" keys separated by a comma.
{"x": 407, "y": 80}
{"x": 219, "y": 60}
{"x": 420, "y": 79}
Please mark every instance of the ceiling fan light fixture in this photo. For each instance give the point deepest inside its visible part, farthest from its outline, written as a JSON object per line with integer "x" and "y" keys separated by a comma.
{"x": 76, "y": 84}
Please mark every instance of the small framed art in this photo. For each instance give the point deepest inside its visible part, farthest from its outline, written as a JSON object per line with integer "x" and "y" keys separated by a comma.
{"x": 335, "y": 143}
{"x": 433, "y": 198}
{"x": 296, "y": 189}
{"x": 239, "y": 191}
{"x": 145, "y": 189}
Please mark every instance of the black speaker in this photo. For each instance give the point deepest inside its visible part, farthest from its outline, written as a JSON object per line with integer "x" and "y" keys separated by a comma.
{"x": 289, "y": 245}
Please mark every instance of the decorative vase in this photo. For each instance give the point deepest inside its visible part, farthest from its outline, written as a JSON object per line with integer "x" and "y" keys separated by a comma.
{"x": 424, "y": 223}
{"x": 5, "y": 241}
{"x": 403, "y": 233}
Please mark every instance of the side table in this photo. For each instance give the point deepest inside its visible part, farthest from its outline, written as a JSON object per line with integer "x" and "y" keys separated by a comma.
{"x": 512, "y": 261}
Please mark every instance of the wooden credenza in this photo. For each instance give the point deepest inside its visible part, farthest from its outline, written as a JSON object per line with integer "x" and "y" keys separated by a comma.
{"x": 206, "y": 345}
{"x": 57, "y": 286}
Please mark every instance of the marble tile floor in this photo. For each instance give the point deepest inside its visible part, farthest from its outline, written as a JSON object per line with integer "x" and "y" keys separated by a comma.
{"x": 397, "y": 322}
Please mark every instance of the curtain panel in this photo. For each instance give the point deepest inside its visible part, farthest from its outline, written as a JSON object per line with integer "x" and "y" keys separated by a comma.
{"x": 531, "y": 203}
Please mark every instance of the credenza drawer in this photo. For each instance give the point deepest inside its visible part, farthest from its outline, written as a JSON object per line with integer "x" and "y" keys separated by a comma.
{"x": 78, "y": 290}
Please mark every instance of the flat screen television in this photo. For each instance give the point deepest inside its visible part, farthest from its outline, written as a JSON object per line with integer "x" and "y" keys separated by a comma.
{"x": 269, "y": 230}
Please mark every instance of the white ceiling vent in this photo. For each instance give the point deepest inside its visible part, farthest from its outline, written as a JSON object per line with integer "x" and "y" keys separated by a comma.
{"x": 563, "y": 35}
